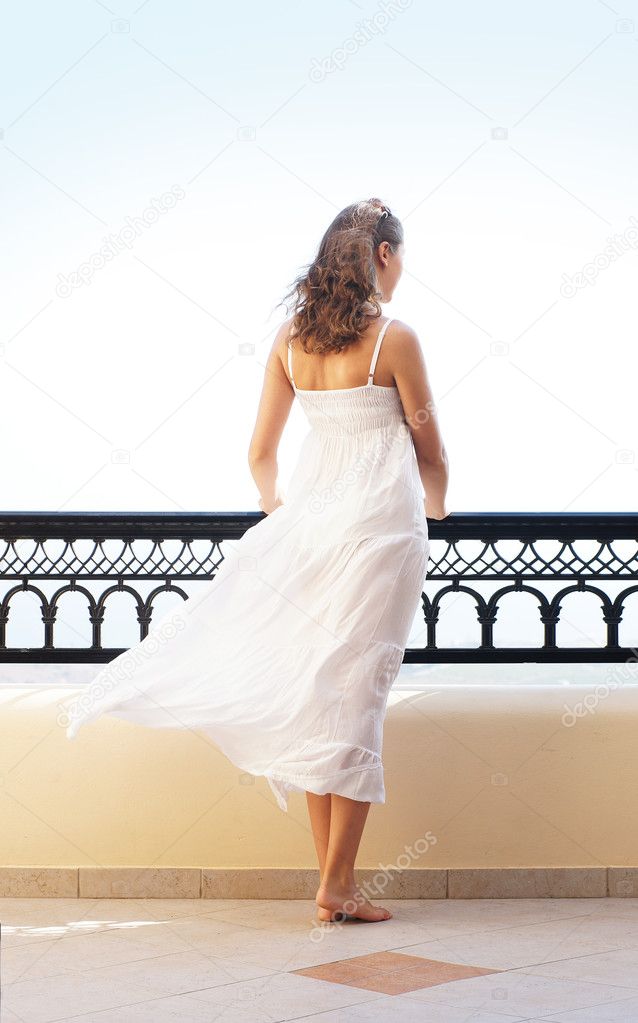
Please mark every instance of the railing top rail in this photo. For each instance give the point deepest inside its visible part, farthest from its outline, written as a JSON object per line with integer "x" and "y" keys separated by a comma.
{"x": 232, "y": 524}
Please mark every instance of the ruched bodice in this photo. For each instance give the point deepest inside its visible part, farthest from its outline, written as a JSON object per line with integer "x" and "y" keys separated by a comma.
{"x": 351, "y": 410}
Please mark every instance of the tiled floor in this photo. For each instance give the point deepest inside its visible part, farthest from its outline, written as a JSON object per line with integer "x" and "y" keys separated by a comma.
{"x": 232, "y": 961}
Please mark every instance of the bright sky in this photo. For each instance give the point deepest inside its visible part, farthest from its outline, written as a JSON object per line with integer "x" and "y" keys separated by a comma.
{"x": 211, "y": 145}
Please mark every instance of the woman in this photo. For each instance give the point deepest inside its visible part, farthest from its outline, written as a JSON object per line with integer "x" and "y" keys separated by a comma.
{"x": 286, "y": 657}
{"x": 333, "y": 339}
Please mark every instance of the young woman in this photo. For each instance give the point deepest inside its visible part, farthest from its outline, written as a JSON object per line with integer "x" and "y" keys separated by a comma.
{"x": 286, "y": 657}
{"x": 357, "y": 490}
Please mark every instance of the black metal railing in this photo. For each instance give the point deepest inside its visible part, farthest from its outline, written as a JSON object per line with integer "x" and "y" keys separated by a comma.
{"x": 487, "y": 560}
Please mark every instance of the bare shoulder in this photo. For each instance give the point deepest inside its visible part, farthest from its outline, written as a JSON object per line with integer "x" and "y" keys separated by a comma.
{"x": 284, "y": 329}
{"x": 280, "y": 341}
{"x": 406, "y": 346}
{"x": 403, "y": 335}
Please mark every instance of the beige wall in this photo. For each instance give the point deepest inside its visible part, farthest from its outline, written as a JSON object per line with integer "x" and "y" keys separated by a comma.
{"x": 491, "y": 772}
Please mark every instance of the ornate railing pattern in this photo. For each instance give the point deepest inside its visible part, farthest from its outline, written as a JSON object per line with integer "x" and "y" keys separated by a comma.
{"x": 482, "y": 557}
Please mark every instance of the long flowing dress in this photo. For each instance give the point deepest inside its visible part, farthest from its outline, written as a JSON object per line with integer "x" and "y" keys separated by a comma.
{"x": 285, "y": 659}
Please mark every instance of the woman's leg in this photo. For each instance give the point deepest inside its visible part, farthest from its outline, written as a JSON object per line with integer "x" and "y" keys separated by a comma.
{"x": 319, "y": 812}
{"x": 338, "y": 892}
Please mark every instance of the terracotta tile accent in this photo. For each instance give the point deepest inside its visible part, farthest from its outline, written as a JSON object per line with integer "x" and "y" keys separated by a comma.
{"x": 392, "y": 973}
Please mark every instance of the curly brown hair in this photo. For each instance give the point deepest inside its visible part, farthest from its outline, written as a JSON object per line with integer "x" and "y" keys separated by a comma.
{"x": 330, "y": 297}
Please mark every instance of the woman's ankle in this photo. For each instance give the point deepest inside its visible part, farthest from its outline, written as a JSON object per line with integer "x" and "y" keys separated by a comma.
{"x": 341, "y": 879}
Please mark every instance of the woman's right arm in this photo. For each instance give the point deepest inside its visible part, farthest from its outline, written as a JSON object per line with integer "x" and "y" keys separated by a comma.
{"x": 410, "y": 374}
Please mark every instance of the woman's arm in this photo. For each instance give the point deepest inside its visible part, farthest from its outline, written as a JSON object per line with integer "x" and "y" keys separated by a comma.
{"x": 410, "y": 374}
{"x": 275, "y": 403}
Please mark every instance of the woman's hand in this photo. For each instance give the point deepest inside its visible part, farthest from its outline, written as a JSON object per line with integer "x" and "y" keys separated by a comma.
{"x": 435, "y": 513}
{"x": 268, "y": 508}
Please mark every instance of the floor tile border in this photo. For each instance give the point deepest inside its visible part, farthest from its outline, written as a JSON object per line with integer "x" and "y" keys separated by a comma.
{"x": 273, "y": 883}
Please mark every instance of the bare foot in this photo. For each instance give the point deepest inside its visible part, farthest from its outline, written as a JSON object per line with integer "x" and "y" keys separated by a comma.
{"x": 336, "y": 904}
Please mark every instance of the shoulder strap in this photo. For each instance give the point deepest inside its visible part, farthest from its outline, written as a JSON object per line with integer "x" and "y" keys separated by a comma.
{"x": 290, "y": 364}
{"x": 375, "y": 354}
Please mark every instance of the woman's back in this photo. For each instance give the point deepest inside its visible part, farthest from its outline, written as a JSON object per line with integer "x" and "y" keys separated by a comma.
{"x": 348, "y": 368}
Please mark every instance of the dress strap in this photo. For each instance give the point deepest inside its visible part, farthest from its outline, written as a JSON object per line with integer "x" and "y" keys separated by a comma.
{"x": 375, "y": 354}
{"x": 290, "y": 365}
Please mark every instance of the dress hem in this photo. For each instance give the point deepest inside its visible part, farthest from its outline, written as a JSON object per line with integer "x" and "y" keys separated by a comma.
{"x": 281, "y": 786}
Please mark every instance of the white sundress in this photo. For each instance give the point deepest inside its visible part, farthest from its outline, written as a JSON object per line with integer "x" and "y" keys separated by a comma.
{"x": 286, "y": 657}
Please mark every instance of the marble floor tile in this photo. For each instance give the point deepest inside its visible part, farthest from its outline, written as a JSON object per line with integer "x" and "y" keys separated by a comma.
{"x": 458, "y": 916}
{"x": 403, "y": 1009}
{"x": 625, "y": 1011}
{"x": 618, "y": 967}
{"x": 26, "y": 920}
{"x": 524, "y": 994}
{"x": 284, "y": 996}
{"x": 180, "y": 973}
{"x": 280, "y": 916}
{"x": 58, "y": 998}
{"x": 515, "y": 947}
{"x": 175, "y": 1009}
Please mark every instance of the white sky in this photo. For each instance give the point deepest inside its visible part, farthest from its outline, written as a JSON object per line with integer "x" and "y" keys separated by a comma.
{"x": 105, "y": 112}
